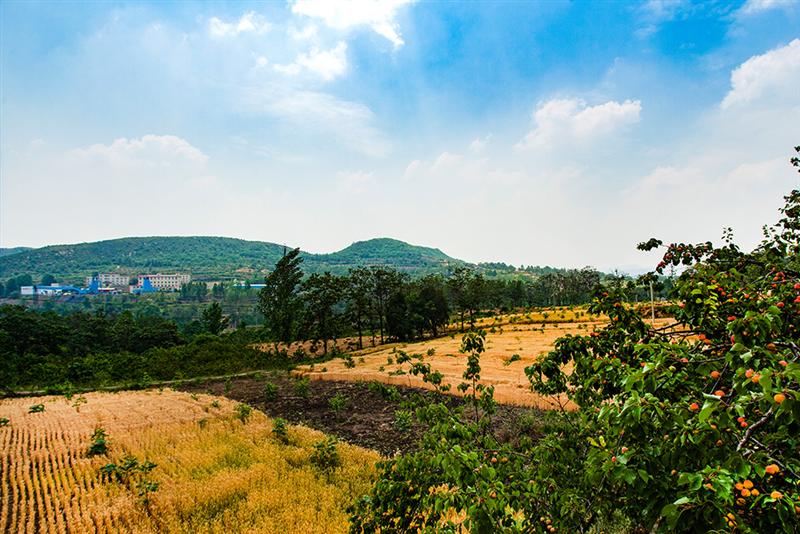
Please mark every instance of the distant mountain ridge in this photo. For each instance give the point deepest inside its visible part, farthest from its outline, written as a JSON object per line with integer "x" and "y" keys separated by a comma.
{"x": 12, "y": 250}
{"x": 212, "y": 257}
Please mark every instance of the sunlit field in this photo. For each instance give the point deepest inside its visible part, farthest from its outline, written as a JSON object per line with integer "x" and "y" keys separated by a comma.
{"x": 215, "y": 473}
{"x": 513, "y": 342}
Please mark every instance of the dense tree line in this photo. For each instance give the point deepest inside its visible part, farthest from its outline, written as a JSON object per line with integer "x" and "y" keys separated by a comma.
{"x": 384, "y": 303}
{"x": 45, "y": 348}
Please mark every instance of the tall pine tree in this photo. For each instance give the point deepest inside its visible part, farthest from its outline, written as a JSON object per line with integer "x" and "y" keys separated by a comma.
{"x": 279, "y": 300}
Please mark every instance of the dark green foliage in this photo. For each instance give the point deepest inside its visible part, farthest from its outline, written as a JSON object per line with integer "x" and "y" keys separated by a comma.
{"x": 326, "y": 455}
{"x": 213, "y": 320}
{"x": 280, "y": 430}
{"x": 133, "y": 474}
{"x": 337, "y": 403}
{"x": 302, "y": 387}
{"x": 279, "y": 300}
{"x": 243, "y": 412}
{"x": 4, "y": 421}
{"x": 322, "y": 300}
{"x": 99, "y": 444}
{"x": 403, "y": 420}
{"x": 209, "y": 256}
{"x": 36, "y": 408}
{"x": 270, "y": 391}
{"x": 358, "y": 290}
{"x": 388, "y": 392}
{"x": 43, "y": 349}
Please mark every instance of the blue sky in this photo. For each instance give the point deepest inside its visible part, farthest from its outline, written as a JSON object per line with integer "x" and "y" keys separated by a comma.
{"x": 556, "y": 133}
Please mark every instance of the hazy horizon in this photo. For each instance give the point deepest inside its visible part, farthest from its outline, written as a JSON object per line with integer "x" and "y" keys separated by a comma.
{"x": 528, "y": 133}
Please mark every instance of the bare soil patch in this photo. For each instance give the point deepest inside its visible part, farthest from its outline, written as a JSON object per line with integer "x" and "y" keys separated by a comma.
{"x": 369, "y": 418}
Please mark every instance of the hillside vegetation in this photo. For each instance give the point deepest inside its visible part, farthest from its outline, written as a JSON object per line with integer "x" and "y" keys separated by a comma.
{"x": 212, "y": 257}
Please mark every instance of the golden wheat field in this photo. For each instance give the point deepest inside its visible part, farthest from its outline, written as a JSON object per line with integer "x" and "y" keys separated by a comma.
{"x": 215, "y": 473}
{"x": 523, "y": 335}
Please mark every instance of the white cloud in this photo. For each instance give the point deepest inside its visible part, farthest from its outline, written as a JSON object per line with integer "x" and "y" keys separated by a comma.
{"x": 559, "y": 121}
{"x": 250, "y": 22}
{"x": 379, "y": 15}
{"x": 479, "y": 143}
{"x": 355, "y": 181}
{"x": 773, "y": 74}
{"x": 317, "y": 113}
{"x": 327, "y": 64}
{"x": 309, "y": 32}
{"x": 149, "y": 150}
{"x": 752, "y": 7}
{"x": 655, "y": 12}
{"x": 662, "y": 10}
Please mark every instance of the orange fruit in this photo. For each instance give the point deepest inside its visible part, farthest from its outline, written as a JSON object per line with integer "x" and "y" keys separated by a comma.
{"x": 779, "y": 398}
{"x": 772, "y": 469}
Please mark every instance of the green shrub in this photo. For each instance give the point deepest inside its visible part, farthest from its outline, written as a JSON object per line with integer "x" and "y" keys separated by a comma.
{"x": 36, "y": 408}
{"x": 337, "y": 403}
{"x": 326, "y": 455}
{"x": 243, "y": 412}
{"x": 99, "y": 444}
{"x": 280, "y": 430}
{"x": 133, "y": 474}
{"x": 270, "y": 391}
{"x": 302, "y": 387}
{"x": 402, "y": 420}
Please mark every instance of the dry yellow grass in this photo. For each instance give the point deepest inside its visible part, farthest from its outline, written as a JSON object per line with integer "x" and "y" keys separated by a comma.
{"x": 216, "y": 476}
{"x": 508, "y": 335}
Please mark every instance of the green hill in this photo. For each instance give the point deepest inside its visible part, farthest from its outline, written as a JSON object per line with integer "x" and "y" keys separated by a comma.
{"x": 211, "y": 257}
{"x": 13, "y": 250}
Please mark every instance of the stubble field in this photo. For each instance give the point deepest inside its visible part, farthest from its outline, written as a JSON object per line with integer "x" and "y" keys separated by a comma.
{"x": 513, "y": 342}
{"x": 215, "y": 473}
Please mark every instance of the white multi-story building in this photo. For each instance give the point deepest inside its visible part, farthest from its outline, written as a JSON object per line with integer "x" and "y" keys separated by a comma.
{"x": 41, "y": 290}
{"x": 165, "y": 282}
{"x": 110, "y": 280}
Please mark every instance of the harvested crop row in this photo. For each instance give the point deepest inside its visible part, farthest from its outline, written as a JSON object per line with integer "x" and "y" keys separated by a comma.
{"x": 214, "y": 472}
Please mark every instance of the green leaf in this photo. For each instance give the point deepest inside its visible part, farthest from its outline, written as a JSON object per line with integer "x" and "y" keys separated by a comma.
{"x": 708, "y": 408}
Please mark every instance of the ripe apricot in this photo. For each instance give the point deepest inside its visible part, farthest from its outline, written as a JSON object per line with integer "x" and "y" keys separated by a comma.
{"x": 779, "y": 398}
{"x": 715, "y": 374}
{"x": 745, "y": 492}
{"x": 694, "y": 406}
{"x": 749, "y": 373}
{"x": 719, "y": 393}
{"x": 747, "y": 484}
{"x": 756, "y": 378}
{"x": 777, "y": 495}
{"x": 784, "y": 363}
{"x": 772, "y": 469}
